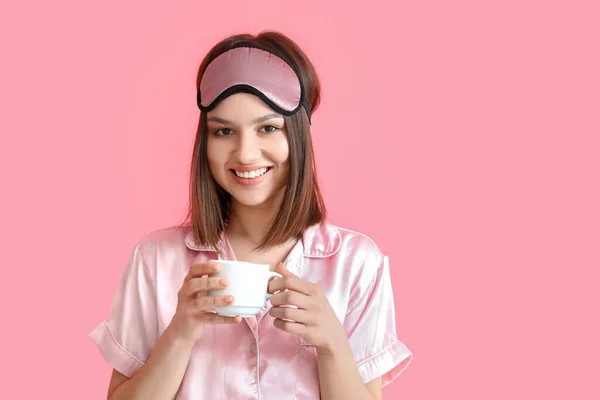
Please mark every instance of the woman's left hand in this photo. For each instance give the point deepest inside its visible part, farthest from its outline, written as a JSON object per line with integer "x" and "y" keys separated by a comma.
{"x": 314, "y": 320}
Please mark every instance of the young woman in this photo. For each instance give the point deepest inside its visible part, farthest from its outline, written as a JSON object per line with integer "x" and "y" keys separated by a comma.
{"x": 254, "y": 197}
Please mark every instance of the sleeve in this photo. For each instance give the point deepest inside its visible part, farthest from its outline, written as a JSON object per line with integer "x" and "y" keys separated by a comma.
{"x": 371, "y": 329}
{"x": 126, "y": 338}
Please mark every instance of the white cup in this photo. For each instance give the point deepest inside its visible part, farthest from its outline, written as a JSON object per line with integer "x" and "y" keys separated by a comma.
{"x": 248, "y": 284}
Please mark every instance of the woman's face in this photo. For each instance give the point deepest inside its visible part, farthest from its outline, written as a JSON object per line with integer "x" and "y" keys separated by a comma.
{"x": 248, "y": 152}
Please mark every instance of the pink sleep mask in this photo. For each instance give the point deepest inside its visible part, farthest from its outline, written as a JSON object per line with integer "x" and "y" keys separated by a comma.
{"x": 252, "y": 70}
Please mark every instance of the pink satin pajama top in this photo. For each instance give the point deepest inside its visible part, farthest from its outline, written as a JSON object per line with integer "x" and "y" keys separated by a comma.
{"x": 253, "y": 359}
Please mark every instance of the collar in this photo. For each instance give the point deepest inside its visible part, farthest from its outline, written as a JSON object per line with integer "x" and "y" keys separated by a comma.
{"x": 318, "y": 241}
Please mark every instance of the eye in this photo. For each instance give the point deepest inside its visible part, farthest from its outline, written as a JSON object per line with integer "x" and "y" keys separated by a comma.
{"x": 270, "y": 128}
{"x": 223, "y": 132}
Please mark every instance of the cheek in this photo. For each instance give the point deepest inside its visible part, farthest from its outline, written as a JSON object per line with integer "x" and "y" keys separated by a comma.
{"x": 215, "y": 155}
{"x": 282, "y": 154}
{"x": 282, "y": 151}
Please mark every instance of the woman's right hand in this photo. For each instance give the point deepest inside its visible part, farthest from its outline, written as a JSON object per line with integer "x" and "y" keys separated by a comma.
{"x": 195, "y": 306}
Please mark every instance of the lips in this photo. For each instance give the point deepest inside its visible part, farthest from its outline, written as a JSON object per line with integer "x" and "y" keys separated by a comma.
{"x": 250, "y": 178}
{"x": 251, "y": 174}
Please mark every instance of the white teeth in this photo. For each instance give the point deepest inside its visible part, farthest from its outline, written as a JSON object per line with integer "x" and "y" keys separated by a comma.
{"x": 251, "y": 174}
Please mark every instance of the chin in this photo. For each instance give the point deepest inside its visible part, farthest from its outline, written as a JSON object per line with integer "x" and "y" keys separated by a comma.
{"x": 258, "y": 196}
{"x": 252, "y": 201}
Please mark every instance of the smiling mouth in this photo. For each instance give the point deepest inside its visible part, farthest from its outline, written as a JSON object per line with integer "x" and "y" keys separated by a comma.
{"x": 251, "y": 174}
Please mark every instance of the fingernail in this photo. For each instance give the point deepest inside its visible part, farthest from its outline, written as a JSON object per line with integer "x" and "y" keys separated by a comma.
{"x": 229, "y": 299}
{"x": 215, "y": 267}
{"x": 223, "y": 281}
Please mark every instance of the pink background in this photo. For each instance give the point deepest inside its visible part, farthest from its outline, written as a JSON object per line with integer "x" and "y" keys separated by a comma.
{"x": 462, "y": 136}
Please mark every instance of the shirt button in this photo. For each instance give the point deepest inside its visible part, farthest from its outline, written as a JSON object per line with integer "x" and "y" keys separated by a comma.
{"x": 252, "y": 348}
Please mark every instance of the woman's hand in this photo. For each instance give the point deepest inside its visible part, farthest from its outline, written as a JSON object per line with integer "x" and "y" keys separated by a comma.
{"x": 195, "y": 307}
{"x": 314, "y": 320}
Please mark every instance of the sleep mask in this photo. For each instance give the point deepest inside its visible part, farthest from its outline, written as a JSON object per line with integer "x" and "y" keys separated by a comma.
{"x": 254, "y": 70}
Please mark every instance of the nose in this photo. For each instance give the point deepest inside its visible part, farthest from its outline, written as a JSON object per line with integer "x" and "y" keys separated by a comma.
{"x": 247, "y": 151}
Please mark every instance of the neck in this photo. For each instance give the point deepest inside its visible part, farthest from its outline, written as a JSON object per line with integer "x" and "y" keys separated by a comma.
{"x": 252, "y": 222}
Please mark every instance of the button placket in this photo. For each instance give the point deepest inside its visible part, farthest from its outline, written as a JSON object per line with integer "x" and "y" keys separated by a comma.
{"x": 254, "y": 350}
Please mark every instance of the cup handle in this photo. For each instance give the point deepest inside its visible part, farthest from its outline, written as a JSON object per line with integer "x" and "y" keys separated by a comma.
{"x": 270, "y": 275}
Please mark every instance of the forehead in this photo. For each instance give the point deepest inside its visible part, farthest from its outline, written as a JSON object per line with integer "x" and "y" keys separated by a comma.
{"x": 242, "y": 107}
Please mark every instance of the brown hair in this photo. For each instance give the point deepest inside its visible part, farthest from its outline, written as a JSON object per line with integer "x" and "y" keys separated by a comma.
{"x": 302, "y": 205}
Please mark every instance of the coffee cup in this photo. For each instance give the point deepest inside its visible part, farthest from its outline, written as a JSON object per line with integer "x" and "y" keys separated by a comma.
{"x": 248, "y": 284}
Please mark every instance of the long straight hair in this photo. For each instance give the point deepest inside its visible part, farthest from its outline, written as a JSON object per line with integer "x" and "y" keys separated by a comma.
{"x": 302, "y": 205}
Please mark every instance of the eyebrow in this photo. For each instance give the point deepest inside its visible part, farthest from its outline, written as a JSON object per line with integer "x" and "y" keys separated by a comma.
{"x": 256, "y": 121}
